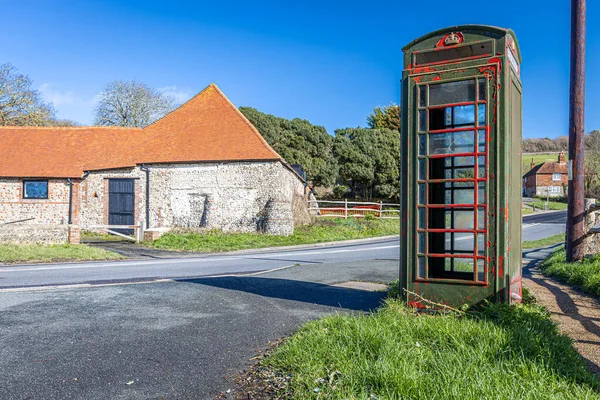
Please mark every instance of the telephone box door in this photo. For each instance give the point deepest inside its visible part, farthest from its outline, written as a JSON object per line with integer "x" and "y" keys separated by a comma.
{"x": 453, "y": 135}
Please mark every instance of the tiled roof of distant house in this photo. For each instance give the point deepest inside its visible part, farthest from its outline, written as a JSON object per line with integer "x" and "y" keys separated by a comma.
{"x": 548, "y": 167}
{"x": 207, "y": 128}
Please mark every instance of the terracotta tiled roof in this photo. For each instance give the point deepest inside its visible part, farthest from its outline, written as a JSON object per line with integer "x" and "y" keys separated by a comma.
{"x": 548, "y": 168}
{"x": 206, "y": 128}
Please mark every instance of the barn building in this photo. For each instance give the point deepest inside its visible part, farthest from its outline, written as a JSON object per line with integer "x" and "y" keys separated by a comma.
{"x": 201, "y": 166}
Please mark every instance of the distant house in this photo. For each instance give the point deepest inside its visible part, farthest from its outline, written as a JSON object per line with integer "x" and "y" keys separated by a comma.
{"x": 203, "y": 165}
{"x": 547, "y": 179}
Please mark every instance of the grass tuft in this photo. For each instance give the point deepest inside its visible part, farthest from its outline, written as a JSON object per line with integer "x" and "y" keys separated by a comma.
{"x": 321, "y": 231}
{"x": 501, "y": 352}
{"x": 12, "y": 253}
{"x": 584, "y": 274}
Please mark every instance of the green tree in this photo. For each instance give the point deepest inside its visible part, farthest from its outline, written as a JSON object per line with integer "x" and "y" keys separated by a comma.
{"x": 19, "y": 103}
{"x": 369, "y": 161}
{"x": 387, "y": 117}
{"x": 298, "y": 142}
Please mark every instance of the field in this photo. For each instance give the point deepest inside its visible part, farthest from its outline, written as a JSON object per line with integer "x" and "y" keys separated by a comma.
{"x": 538, "y": 158}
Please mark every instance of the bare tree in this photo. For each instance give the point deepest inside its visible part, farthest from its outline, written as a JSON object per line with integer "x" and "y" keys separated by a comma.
{"x": 592, "y": 160}
{"x": 131, "y": 103}
{"x": 19, "y": 103}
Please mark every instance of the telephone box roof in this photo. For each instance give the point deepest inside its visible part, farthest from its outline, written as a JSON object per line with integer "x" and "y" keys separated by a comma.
{"x": 474, "y": 28}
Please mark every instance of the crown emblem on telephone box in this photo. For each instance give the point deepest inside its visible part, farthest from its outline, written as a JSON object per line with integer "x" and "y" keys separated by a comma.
{"x": 452, "y": 39}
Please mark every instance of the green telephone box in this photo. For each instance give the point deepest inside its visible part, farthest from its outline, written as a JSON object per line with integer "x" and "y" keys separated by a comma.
{"x": 461, "y": 167}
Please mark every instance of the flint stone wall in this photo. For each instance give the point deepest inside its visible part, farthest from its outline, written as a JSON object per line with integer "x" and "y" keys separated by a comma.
{"x": 33, "y": 234}
{"x": 233, "y": 197}
{"x": 591, "y": 242}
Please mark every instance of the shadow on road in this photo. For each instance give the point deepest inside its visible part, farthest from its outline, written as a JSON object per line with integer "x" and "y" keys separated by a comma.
{"x": 307, "y": 292}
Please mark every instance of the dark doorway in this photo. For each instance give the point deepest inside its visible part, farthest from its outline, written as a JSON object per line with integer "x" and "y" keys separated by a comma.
{"x": 121, "y": 200}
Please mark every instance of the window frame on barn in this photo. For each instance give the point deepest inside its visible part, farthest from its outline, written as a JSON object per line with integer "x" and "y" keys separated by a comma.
{"x": 557, "y": 176}
{"x": 34, "y": 196}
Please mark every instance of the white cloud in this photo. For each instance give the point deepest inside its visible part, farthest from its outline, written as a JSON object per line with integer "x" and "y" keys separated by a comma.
{"x": 68, "y": 104}
{"x": 180, "y": 95}
{"x": 56, "y": 97}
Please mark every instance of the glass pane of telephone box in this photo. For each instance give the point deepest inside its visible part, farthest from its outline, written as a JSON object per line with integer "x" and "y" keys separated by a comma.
{"x": 452, "y": 92}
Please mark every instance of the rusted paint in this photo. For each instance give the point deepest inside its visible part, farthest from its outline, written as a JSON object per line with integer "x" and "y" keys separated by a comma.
{"x": 452, "y": 291}
{"x": 422, "y": 70}
{"x": 416, "y": 304}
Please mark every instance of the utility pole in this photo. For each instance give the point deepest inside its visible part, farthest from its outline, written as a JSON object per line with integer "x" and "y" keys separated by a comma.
{"x": 575, "y": 213}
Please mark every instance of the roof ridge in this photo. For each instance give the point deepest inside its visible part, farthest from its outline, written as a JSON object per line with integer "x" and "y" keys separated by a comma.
{"x": 252, "y": 127}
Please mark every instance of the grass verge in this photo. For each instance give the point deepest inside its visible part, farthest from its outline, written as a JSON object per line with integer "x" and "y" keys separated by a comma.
{"x": 10, "y": 253}
{"x": 98, "y": 236}
{"x": 321, "y": 231}
{"x": 552, "y": 205}
{"x": 500, "y": 352}
{"x": 584, "y": 274}
{"x": 549, "y": 241}
{"x": 527, "y": 211}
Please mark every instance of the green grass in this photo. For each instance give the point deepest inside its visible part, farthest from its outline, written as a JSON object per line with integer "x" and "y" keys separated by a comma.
{"x": 549, "y": 241}
{"x": 501, "y": 352}
{"x": 527, "y": 210}
{"x": 552, "y": 205}
{"x": 324, "y": 230}
{"x": 584, "y": 274}
{"x": 539, "y": 158}
{"x": 10, "y": 253}
{"x": 98, "y": 236}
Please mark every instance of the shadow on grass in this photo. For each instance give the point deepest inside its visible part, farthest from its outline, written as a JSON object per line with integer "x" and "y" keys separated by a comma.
{"x": 306, "y": 292}
{"x": 534, "y": 336}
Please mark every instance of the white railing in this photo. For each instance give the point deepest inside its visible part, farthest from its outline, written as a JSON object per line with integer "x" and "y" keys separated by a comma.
{"x": 138, "y": 229}
{"x": 353, "y": 209}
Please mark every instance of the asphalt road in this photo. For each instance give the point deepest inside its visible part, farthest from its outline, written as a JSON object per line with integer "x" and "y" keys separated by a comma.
{"x": 176, "y": 339}
{"x": 15, "y": 276}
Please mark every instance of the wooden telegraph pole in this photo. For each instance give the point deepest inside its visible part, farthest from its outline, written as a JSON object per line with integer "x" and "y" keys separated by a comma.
{"x": 575, "y": 216}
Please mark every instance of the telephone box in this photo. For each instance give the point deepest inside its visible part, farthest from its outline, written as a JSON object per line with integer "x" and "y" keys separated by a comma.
{"x": 461, "y": 167}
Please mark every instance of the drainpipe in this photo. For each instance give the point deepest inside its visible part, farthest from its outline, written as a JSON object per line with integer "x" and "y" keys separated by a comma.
{"x": 70, "y": 221}
{"x": 146, "y": 169}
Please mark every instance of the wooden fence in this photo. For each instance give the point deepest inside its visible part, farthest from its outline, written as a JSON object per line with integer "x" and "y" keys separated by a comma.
{"x": 353, "y": 209}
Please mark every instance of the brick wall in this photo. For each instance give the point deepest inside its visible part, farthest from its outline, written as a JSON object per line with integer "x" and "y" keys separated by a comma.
{"x": 538, "y": 185}
{"x": 51, "y": 211}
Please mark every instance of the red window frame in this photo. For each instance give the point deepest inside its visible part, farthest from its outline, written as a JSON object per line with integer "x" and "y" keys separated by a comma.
{"x": 476, "y": 207}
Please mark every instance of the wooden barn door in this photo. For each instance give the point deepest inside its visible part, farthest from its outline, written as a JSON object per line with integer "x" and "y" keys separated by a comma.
{"x": 121, "y": 200}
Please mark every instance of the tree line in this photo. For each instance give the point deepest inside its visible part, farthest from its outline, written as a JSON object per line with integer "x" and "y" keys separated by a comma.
{"x": 361, "y": 162}
{"x": 357, "y": 162}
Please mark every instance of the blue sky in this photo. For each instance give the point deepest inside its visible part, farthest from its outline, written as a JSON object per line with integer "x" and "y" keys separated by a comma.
{"x": 329, "y": 62}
